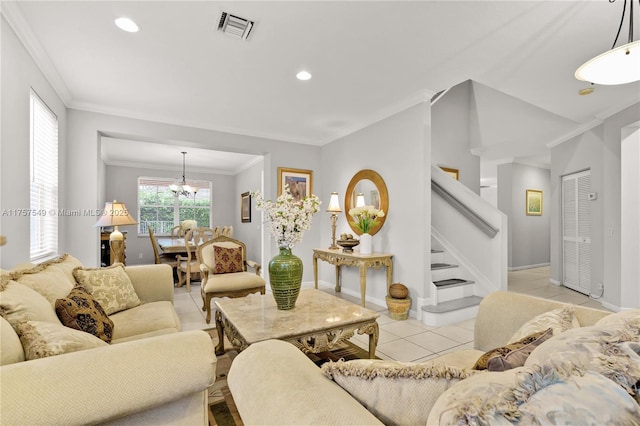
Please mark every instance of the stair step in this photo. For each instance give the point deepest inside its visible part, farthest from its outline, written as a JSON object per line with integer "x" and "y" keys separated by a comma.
{"x": 436, "y": 251}
{"x": 453, "y": 305}
{"x": 435, "y": 266}
{"x": 451, "y": 282}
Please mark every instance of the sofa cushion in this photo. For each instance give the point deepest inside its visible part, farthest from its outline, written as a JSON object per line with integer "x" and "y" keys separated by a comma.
{"x": 537, "y": 395}
{"x": 110, "y": 286}
{"x": 395, "y": 392}
{"x": 81, "y": 311}
{"x": 559, "y": 320}
{"x": 512, "y": 355}
{"x": 613, "y": 352}
{"x": 18, "y": 302}
{"x": 146, "y": 320}
{"x": 620, "y": 318}
{"x": 42, "y": 339}
{"x": 227, "y": 259}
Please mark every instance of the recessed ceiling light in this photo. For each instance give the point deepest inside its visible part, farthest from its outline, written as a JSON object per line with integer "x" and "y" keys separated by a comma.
{"x": 303, "y": 75}
{"x": 126, "y": 24}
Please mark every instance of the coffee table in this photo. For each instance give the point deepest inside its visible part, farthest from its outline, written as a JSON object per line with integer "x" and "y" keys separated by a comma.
{"x": 316, "y": 324}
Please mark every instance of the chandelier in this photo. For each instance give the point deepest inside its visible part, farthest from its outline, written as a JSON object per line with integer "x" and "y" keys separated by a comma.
{"x": 182, "y": 188}
{"x": 619, "y": 65}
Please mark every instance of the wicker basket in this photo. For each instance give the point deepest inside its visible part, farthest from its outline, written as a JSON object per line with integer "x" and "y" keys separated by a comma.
{"x": 398, "y": 308}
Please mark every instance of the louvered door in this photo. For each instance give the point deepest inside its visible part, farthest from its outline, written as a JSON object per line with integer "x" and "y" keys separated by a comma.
{"x": 576, "y": 231}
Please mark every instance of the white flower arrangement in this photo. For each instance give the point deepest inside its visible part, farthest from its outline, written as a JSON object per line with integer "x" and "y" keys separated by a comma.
{"x": 365, "y": 217}
{"x": 288, "y": 218}
{"x": 188, "y": 225}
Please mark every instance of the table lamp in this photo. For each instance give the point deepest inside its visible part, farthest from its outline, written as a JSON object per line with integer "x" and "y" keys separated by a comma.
{"x": 116, "y": 214}
{"x": 360, "y": 200}
{"x": 334, "y": 209}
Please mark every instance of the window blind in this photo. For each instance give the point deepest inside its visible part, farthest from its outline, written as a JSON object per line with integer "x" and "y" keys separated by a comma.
{"x": 44, "y": 180}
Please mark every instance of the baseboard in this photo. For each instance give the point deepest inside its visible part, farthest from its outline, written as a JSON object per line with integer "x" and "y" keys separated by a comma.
{"x": 554, "y": 282}
{"x": 518, "y": 268}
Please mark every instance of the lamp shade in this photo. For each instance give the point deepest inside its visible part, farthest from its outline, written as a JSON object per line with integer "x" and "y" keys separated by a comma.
{"x": 616, "y": 66}
{"x": 360, "y": 200}
{"x": 334, "y": 203}
{"x": 115, "y": 214}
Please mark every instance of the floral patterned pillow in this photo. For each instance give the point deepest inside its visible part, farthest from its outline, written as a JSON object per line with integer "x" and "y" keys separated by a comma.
{"x": 513, "y": 355}
{"x": 111, "y": 287}
{"x": 559, "y": 320}
{"x": 227, "y": 259}
{"x": 43, "y": 339}
{"x": 81, "y": 311}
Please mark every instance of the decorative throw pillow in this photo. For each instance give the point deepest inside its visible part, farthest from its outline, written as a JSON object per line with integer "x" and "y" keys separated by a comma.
{"x": 560, "y": 320}
{"x": 630, "y": 316}
{"x": 81, "y": 311}
{"x": 42, "y": 339}
{"x": 111, "y": 287}
{"x": 227, "y": 259}
{"x": 535, "y": 395}
{"x": 613, "y": 352}
{"x": 19, "y": 302}
{"x": 513, "y": 355}
{"x": 395, "y": 392}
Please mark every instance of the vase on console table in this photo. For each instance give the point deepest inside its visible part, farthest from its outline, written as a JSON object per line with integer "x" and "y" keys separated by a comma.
{"x": 285, "y": 278}
{"x": 365, "y": 243}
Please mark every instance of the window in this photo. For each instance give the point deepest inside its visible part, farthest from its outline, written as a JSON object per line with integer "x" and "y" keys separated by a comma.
{"x": 43, "y": 233}
{"x": 159, "y": 209}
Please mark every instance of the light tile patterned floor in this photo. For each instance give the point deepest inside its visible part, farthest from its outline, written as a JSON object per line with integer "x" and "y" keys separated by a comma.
{"x": 409, "y": 340}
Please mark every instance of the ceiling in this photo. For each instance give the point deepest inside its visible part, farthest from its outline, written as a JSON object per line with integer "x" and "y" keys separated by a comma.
{"x": 368, "y": 60}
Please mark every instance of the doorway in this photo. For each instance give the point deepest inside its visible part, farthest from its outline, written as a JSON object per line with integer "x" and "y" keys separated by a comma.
{"x": 576, "y": 231}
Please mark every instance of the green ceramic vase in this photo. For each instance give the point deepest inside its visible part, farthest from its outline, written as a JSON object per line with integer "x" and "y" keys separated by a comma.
{"x": 285, "y": 277}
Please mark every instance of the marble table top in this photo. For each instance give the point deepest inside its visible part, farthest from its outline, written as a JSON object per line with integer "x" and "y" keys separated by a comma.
{"x": 257, "y": 318}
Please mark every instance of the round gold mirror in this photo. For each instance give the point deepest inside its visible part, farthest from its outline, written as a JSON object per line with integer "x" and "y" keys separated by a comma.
{"x": 371, "y": 187}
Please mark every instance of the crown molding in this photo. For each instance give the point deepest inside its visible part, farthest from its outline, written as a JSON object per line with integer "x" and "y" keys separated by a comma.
{"x": 11, "y": 12}
{"x": 165, "y": 168}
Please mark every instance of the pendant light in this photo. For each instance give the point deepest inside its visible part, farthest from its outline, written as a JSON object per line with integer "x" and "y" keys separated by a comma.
{"x": 182, "y": 188}
{"x": 620, "y": 65}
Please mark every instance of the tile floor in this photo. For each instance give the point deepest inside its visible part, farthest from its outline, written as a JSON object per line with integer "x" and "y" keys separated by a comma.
{"x": 409, "y": 340}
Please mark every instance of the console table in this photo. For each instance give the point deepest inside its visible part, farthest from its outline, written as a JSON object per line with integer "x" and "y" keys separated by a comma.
{"x": 363, "y": 261}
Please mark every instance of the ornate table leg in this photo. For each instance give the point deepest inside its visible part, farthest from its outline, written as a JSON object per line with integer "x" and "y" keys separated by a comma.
{"x": 389, "y": 274}
{"x": 338, "y": 279}
{"x": 315, "y": 270}
{"x": 372, "y": 330}
{"x": 363, "y": 283}
{"x": 220, "y": 330}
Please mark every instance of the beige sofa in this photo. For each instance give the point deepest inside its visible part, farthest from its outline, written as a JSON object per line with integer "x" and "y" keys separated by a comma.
{"x": 272, "y": 382}
{"x": 151, "y": 373}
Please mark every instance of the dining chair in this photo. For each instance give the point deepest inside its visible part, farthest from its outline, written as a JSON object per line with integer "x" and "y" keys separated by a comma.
{"x": 223, "y": 264}
{"x": 227, "y": 231}
{"x": 176, "y": 231}
{"x": 188, "y": 265}
{"x": 160, "y": 258}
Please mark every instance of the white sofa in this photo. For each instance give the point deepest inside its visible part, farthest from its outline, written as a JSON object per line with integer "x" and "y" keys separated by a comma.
{"x": 151, "y": 373}
{"x": 274, "y": 383}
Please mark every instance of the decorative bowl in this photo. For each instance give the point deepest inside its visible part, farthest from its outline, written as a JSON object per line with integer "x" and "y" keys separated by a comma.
{"x": 398, "y": 291}
{"x": 348, "y": 245}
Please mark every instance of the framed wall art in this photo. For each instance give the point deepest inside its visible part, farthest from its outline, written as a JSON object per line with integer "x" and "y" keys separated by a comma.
{"x": 534, "y": 202}
{"x": 300, "y": 182}
{"x": 245, "y": 207}
{"x": 454, "y": 173}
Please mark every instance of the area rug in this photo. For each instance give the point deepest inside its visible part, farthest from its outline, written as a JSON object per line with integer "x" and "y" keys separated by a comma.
{"x": 222, "y": 408}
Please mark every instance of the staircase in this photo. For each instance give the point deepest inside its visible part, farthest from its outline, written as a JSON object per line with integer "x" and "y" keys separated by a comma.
{"x": 453, "y": 288}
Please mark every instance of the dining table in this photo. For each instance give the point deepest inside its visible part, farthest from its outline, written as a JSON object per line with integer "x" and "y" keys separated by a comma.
{"x": 174, "y": 245}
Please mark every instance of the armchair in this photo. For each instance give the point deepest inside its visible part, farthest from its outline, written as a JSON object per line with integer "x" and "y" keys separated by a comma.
{"x": 223, "y": 264}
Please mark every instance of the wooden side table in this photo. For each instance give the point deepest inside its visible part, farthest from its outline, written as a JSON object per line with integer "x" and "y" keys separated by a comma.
{"x": 363, "y": 261}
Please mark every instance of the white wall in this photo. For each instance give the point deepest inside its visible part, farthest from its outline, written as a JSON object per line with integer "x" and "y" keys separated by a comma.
{"x": 630, "y": 220}
{"x": 18, "y": 75}
{"x": 528, "y": 235}
{"x": 450, "y": 145}
{"x": 249, "y": 232}
{"x": 597, "y": 150}
{"x": 122, "y": 185}
{"x": 398, "y": 148}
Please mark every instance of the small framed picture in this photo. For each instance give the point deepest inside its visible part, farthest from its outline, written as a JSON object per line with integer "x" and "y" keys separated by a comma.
{"x": 534, "y": 202}
{"x": 454, "y": 173}
{"x": 300, "y": 182}
{"x": 245, "y": 207}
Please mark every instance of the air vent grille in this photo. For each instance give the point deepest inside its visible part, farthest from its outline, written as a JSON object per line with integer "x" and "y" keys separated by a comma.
{"x": 235, "y": 26}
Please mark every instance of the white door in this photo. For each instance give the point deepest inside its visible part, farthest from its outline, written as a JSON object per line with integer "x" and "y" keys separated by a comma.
{"x": 576, "y": 231}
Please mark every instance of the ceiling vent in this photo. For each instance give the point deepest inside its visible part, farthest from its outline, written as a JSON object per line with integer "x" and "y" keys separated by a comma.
{"x": 235, "y": 26}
